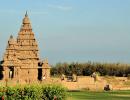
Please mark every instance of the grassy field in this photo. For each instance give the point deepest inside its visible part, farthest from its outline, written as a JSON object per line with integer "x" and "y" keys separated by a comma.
{"x": 111, "y": 95}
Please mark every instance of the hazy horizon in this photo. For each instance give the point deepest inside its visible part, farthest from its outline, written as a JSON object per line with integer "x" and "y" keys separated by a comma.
{"x": 72, "y": 30}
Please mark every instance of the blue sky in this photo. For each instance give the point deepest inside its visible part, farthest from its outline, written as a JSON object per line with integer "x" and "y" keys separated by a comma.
{"x": 72, "y": 30}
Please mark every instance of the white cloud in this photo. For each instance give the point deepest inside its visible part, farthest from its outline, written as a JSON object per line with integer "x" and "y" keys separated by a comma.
{"x": 63, "y": 8}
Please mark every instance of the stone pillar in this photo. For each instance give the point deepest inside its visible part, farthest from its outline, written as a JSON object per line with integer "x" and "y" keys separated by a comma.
{"x": 43, "y": 73}
{"x": 6, "y": 73}
{"x": 17, "y": 74}
{"x": 48, "y": 72}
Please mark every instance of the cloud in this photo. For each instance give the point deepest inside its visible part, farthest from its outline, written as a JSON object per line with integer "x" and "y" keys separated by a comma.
{"x": 63, "y": 8}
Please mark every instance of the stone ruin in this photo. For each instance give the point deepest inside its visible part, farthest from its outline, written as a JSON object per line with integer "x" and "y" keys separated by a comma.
{"x": 21, "y": 62}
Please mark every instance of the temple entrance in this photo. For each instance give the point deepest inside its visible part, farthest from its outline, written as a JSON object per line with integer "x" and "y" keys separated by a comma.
{"x": 1, "y": 70}
{"x": 39, "y": 74}
{"x": 11, "y": 72}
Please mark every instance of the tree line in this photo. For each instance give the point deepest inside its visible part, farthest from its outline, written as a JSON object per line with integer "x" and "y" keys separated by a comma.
{"x": 87, "y": 69}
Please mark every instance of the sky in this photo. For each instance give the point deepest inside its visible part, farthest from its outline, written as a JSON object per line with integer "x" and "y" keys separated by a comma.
{"x": 72, "y": 30}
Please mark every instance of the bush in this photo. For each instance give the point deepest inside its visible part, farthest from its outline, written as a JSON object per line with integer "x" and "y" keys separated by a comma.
{"x": 47, "y": 92}
{"x": 32, "y": 92}
{"x": 13, "y": 92}
{"x": 2, "y": 91}
{"x": 54, "y": 91}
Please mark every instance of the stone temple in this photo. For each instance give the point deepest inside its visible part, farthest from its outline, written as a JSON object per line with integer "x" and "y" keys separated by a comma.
{"x": 21, "y": 62}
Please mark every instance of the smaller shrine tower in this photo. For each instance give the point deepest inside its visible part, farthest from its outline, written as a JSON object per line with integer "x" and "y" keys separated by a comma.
{"x": 21, "y": 62}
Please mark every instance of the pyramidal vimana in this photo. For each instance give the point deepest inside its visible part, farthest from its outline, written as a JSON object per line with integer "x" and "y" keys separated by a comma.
{"x": 21, "y": 62}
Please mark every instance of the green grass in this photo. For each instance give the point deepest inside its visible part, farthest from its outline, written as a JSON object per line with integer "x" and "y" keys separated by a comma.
{"x": 88, "y": 95}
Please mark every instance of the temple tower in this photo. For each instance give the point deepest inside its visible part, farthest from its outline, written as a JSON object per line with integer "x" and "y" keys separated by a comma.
{"x": 21, "y": 60}
{"x": 28, "y": 48}
{"x": 10, "y": 59}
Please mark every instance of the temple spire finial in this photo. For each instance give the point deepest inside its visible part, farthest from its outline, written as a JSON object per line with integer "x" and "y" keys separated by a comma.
{"x": 11, "y": 36}
{"x": 26, "y": 14}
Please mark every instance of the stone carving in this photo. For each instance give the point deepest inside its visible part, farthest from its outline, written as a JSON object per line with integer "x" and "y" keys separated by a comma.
{"x": 23, "y": 55}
